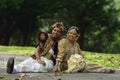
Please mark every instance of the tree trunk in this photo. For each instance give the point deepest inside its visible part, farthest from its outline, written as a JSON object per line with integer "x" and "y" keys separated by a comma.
{"x": 26, "y": 37}
{"x": 5, "y": 38}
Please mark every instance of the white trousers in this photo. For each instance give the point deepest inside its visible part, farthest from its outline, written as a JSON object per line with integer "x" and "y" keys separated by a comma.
{"x": 32, "y": 65}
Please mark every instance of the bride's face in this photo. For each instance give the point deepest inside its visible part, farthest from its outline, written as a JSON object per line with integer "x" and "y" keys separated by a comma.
{"x": 72, "y": 35}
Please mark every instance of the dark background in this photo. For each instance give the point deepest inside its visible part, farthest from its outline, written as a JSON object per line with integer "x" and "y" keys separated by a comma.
{"x": 98, "y": 20}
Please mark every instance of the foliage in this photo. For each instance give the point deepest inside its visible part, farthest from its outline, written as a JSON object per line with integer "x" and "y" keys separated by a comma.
{"x": 98, "y": 20}
{"x": 101, "y": 38}
{"x": 8, "y": 10}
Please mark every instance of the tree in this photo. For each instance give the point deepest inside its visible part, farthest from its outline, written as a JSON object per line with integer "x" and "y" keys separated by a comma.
{"x": 8, "y": 9}
{"x": 92, "y": 17}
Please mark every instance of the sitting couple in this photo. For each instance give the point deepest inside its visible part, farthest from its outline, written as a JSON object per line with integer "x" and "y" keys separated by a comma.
{"x": 52, "y": 53}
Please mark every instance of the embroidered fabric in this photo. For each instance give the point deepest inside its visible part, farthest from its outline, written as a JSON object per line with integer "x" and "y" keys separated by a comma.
{"x": 75, "y": 63}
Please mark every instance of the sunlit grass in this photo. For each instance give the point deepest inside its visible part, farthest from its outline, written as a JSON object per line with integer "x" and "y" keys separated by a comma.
{"x": 106, "y": 59}
{"x": 17, "y": 49}
{"x": 5, "y": 79}
{"x": 112, "y": 60}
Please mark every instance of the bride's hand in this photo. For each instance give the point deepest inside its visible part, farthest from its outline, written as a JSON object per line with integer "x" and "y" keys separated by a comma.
{"x": 55, "y": 69}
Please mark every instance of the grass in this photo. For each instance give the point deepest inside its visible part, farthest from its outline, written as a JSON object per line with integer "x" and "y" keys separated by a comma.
{"x": 4, "y": 78}
{"x": 111, "y": 60}
{"x": 17, "y": 50}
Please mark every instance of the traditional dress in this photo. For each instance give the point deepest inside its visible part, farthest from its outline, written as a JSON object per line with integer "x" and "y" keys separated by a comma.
{"x": 48, "y": 56}
{"x": 66, "y": 49}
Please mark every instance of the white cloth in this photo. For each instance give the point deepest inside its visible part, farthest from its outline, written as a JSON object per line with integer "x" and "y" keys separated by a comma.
{"x": 32, "y": 65}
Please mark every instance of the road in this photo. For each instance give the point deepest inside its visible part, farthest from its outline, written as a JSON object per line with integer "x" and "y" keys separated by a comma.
{"x": 50, "y": 76}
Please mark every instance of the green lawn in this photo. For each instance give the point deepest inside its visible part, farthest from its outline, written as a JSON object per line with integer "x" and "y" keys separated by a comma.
{"x": 17, "y": 49}
{"x": 112, "y": 60}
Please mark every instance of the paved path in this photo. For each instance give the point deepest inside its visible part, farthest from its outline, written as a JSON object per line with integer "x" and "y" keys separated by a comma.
{"x": 50, "y": 76}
